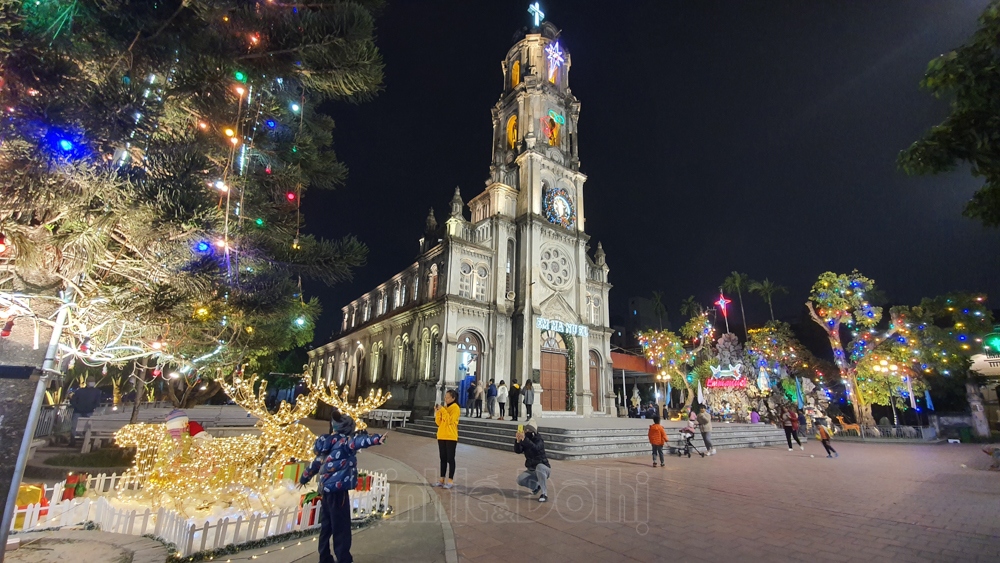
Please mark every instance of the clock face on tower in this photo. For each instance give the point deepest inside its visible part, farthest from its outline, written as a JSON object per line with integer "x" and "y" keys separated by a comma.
{"x": 558, "y": 207}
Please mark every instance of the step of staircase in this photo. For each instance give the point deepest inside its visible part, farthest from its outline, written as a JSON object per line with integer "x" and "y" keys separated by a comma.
{"x": 594, "y": 443}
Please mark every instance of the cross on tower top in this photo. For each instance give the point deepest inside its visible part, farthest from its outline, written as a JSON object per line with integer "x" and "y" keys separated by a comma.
{"x": 537, "y": 13}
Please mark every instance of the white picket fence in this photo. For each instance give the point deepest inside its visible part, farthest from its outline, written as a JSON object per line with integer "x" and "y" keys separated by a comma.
{"x": 185, "y": 533}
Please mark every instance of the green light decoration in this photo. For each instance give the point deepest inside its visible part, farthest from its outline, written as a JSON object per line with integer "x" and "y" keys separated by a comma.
{"x": 259, "y": 222}
{"x": 240, "y": 76}
{"x": 991, "y": 343}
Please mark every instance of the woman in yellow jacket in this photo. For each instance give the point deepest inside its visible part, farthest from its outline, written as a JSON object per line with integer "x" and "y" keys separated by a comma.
{"x": 447, "y": 436}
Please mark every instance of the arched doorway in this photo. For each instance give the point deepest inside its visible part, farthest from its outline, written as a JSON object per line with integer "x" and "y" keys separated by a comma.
{"x": 470, "y": 347}
{"x": 595, "y": 381}
{"x": 552, "y": 376}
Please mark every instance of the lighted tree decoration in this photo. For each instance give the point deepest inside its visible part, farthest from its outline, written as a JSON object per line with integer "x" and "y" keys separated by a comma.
{"x": 840, "y": 299}
{"x": 665, "y": 351}
{"x": 936, "y": 336}
{"x": 156, "y": 155}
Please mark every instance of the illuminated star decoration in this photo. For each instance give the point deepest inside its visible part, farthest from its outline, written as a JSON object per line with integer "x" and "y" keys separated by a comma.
{"x": 536, "y": 13}
{"x": 556, "y": 58}
{"x": 722, "y": 302}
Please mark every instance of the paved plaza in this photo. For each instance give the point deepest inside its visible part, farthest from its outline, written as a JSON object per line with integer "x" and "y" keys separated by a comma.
{"x": 876, "y": 502}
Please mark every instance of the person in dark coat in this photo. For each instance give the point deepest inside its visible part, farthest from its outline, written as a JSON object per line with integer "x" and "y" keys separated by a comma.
{"x": 84, "y": 402}
{"x": 538, "y": 468}
{"x": 514, "y": 397}
{"x": 336, "y": 463}
{"x": 470, "y": 399}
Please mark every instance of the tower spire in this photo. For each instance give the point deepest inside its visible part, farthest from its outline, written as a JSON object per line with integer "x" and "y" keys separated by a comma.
{"x": 456, "y": 203}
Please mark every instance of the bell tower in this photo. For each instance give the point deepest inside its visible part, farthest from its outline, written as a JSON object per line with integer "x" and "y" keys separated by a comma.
{"x": 535, "y": 127}
{"x": 535, "y": 197}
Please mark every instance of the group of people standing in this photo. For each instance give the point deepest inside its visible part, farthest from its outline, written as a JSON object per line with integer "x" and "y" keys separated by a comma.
{"x": 499, "y": 396}
{"x": 527, "y": 441}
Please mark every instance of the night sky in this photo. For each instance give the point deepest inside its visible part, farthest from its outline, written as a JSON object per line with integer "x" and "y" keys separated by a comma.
{"x": 717, "y": 136}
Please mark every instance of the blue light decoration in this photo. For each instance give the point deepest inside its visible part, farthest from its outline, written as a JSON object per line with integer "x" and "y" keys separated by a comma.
{"x": 271, "y": 124}
{"x": 64, "y": 144}
{"x": 202, "y": 247}
{"x": 295, "y": 107}
{"x": 962, "y": 338}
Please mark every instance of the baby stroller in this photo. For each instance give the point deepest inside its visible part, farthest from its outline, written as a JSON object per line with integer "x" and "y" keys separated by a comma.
{"x": 687, "y": 435}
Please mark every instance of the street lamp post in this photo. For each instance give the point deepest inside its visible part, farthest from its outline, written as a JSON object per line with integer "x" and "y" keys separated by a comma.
{"x": 664, "y": 379}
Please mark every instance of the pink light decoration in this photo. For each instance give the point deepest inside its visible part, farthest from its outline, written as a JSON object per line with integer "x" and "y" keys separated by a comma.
{"x": 713, "y": 382}
{"x": 722, "y": 302}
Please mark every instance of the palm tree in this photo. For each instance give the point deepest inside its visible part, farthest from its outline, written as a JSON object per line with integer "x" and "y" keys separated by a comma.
{"x": 690, "y": 307}
{"x": 658, "y": 309}
{"x": 767, "y": 290}
{"x": 738, "y": 282}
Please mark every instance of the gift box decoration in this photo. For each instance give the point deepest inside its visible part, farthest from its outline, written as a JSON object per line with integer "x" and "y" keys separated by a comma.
{"x": 308, "y": 502}
{"x": 69, "y": 491}
{"x": 28, "y": 495}
{"x": 364, "y": 482}
{"x": 292, "y": 471}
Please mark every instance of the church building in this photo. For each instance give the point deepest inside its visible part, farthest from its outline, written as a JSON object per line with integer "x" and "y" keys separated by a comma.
{"x": 511, "y": 292}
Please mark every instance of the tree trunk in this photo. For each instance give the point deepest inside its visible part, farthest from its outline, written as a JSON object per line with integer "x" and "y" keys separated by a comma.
{"x": 771, "y": 307}
{"x": 743, "y": 314}
{"x": 140, "y": 390}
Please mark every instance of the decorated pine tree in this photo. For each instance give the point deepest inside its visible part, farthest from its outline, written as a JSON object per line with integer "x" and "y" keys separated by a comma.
{"x": 154, "y": 159}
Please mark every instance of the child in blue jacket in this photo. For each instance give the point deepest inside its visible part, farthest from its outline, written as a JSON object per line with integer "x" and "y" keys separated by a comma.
{"x": 337, "y": 464}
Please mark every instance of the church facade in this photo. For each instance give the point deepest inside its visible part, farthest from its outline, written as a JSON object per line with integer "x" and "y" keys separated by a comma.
{"x": 512, "y": 292}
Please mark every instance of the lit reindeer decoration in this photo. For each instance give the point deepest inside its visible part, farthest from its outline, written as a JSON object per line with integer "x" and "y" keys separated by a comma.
{"x": 327, "y": 393}
{"x": 186, "y": 471}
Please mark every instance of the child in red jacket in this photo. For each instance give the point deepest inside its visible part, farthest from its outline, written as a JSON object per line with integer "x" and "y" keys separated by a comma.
{"x": 657, "y": 438}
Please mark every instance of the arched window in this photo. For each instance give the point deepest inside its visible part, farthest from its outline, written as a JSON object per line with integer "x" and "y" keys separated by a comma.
{"x": 435, "y": 352}
{"x": 328, "y": 362}
{"x": 432, "y": 282}
{"x": 595, "y": 311}
{"x": 416, "y": 287}
{"x": 402, "y": 292}
{"x": 552, "y": 341}
{"x": 368, "y": 311}
{"x": 359, "y": 358}
{"x": 512, "y": 132}
{"x": 374, "y": 363}
{"x": 342, "y": 375}
{"x": 482, "y": 277}
{"x": 469, "y": 348}
{"x": 397, "y": 359}
{"x": 515, "y": 74}
{"x": 354, "y": 317}
{"x": 395, "y": 297}
{"x": 465, "y": 280}
{"x": 510, "y": 266}
{"x": 425, "y": 354}
{"x": 400, "y": 353}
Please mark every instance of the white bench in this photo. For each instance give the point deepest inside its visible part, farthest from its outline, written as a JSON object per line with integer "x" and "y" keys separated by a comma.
{"x": 97, "y": 432}
{"x": 389, "y": 416}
